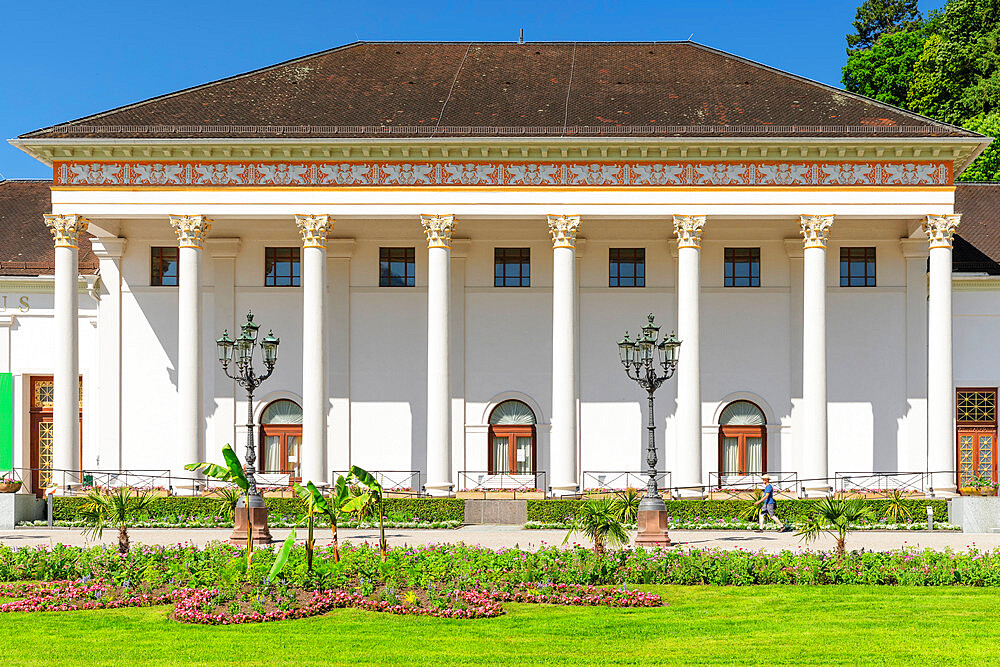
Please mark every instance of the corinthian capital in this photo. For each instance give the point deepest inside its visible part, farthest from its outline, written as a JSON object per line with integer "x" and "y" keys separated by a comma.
{"x": 314, "y": 229}
{"x": 438, "y": 229}
{"x": 688, "y": 230}
{"x": 940, "y": 229}
{"x": 66, "y": 229}
{"x": 563, "y": 229}
{"x": 815, "y": 230}
{"x": 191, "y": 230}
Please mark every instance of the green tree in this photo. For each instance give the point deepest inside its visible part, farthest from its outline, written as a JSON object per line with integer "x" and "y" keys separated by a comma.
{"x": 599, "y": 520}
{"x": 875, "y": 18}
{"x": 987, "y": 166}
{"x": 835, "y": 516}
{"x": 885, "y": 71}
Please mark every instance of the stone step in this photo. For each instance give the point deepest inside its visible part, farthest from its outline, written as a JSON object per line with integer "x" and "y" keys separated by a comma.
{"x": 500, "y": 512}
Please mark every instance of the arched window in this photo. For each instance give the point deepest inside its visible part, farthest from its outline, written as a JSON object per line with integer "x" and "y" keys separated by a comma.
{"x": 281, "y": 438}
{"x": 742, "y": 439}
{"x": 512, "y": 438}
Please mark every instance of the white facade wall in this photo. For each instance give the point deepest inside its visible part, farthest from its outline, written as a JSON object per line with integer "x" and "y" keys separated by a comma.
{"x": 502, "y": 344}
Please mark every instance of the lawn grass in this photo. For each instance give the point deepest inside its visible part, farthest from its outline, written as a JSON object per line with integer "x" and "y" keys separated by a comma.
{"x": 701, "y": 625}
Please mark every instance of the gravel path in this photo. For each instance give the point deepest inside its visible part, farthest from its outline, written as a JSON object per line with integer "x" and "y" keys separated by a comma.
{"x": 511, "y": 536}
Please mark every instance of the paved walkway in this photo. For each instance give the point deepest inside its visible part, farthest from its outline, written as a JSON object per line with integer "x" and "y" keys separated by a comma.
{"x": 511, "y": 536}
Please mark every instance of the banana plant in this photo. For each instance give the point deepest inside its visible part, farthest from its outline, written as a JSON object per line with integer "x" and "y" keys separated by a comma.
{"x": 315, "y": 504}
{"x": 338, "y": 499}
{"x": 373, "y": 493}
{"x": 231, "y": 472}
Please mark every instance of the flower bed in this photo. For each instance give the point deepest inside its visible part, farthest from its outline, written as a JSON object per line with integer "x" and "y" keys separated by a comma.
{"x": 273, "y": 522}
{"x": 722, "y": 524}
{"x": 76, "y": 595}
{"x": 212, "y": 606}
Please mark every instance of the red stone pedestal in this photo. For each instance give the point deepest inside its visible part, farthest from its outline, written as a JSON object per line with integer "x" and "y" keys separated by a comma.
{"x": 258, "y": 523}
{"x": 652, "y": 529}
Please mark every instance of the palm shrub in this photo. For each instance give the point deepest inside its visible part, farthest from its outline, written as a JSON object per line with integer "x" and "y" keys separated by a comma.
{"x": 896, "y": 510}
{"x": 626, "y": 505}
{"x": 834, "y": 516}
{"x": 752, "y": 513}
{"x": 116, "y": 508}
{"x": 599, "y": 520}
{"x": 229, "y": 498}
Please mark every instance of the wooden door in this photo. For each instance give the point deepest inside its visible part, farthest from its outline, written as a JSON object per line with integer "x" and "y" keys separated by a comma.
{"x": 512, "y": 449}
{"x": 742, "y": 450}
{"x": 281, "y": 450}
{"x": 976, "y": 418}
{"x": 42, "y": 434}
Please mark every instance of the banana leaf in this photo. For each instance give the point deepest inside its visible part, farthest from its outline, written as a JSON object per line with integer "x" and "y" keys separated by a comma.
{"x": 282, "y": 557}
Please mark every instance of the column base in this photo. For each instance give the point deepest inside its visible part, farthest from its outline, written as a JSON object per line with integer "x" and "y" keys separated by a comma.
{"x": 943, "y": 492}
{"x": 565, "y": 489}
{"x": 258, "y": 527}
{"x": 439, "y": 489}
{"x": 652, "y": 529}
{"x": 817, "y": 491}
{"x": 691, "y": 492}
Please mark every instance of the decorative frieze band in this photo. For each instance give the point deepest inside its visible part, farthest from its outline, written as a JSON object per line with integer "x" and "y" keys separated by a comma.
{"x": 191, "y": 230}
{"x": 66, "y": 229}
{"x": 940, "y": 229}
{"x": 314, "y": 229}
{"x": 544, "y": 174}
{"x": 438, "y": 229}
{"x": 688, "y": 230}
{"x": 815, "y": 230}
{"x": 563, "y": 229}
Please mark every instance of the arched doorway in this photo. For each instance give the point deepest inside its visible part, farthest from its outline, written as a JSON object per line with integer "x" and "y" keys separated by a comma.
{"x": 512, "y": 438}
{"x": 742, "y": 439}
{"x": 281, "y": 439}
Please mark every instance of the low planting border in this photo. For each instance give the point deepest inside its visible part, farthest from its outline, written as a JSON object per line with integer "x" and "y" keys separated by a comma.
{"x": 559, "y": 511}
{"x": 68, "y": 508}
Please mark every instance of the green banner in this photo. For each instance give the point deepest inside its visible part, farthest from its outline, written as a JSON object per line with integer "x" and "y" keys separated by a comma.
{"x": 6, "y": 421}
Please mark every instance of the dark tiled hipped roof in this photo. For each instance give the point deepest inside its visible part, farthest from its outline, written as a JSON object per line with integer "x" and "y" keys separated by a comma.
{"x": 421, "y": 89}
{"x": 977, "y": 242}
{"x": 25, "y": 242}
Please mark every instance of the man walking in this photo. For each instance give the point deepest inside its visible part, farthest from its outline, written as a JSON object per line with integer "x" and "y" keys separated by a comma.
{"x": 769, "y": 505}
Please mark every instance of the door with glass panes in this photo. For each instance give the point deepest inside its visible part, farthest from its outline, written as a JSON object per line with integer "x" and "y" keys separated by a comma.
{"x": 742, "y": 440}
{"x": 976, "y": 419}
{"x": 512, "y": 439}
{"x": 281, "y": 439}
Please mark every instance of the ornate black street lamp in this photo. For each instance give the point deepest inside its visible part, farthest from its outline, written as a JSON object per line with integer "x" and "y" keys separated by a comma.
{"x": 638, "y": 359}
{"x": 246, "y": 376}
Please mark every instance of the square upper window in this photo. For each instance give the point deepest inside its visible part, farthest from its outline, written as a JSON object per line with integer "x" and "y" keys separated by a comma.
{"x": 396, "y": 267}
{"x": 627, "y": 267}
{"x": 282, "y": 267}
{"x": 512, "y": 267}
{"x": 742, "y": 267}
{"x": 857, "y": 267}
{"x": 163, "y": 266}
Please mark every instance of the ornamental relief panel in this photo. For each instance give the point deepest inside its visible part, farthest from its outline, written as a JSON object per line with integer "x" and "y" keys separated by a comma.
{"x": 491, "y": 173}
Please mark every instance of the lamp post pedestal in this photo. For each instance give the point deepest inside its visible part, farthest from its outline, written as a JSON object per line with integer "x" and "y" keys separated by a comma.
{"x": 258, "y": 525}
{"x": 652, "y": 528}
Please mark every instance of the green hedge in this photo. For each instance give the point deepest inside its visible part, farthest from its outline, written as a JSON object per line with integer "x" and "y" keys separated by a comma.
{"x": 67, "y": 508}
{"x": 557, "y": 511}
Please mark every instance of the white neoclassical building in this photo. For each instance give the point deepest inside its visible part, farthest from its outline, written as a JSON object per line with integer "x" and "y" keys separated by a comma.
{"x": 449, "y": 239}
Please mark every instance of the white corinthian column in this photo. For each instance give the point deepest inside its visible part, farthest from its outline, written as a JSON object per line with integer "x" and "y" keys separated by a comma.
{"x": 688, "y": 474}
{"x": 315, "y": 403}
{"x": 940, "y": 230}
{"x": 563, "y": 434}
{"x": 438, "y": 229}
{"x": 815, "y": 231}
{"x": 66, "y": 230}
{"x": 191, "y": 231}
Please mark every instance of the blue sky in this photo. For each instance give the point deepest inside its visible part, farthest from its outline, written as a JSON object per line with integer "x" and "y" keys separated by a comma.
{"x": 63, "y": 60}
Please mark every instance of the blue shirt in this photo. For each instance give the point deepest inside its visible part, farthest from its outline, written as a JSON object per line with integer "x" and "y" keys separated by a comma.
{"x": 769, "y": 495}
